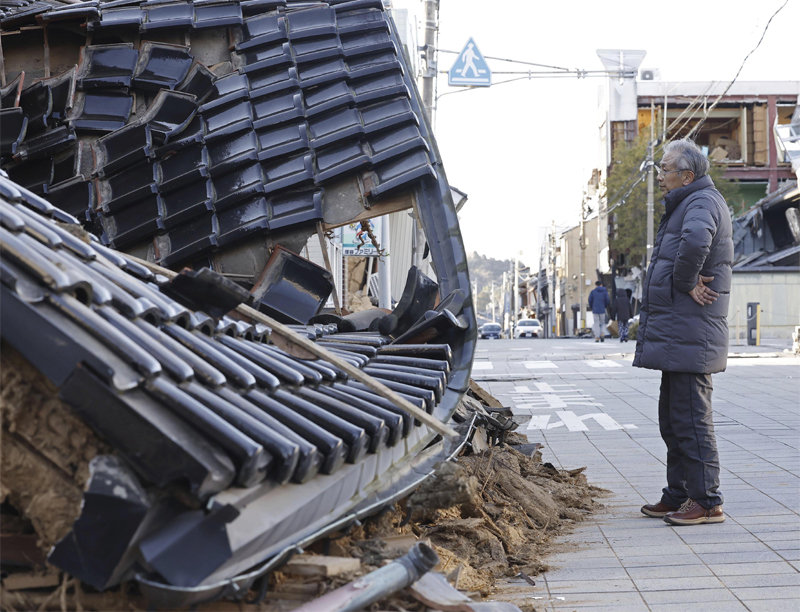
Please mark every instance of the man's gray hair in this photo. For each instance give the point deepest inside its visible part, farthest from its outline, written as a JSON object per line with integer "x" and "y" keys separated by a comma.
{"x": 689, "y": 156}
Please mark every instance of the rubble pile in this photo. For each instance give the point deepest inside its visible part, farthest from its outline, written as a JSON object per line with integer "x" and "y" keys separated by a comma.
{"x": 489, "y": 514}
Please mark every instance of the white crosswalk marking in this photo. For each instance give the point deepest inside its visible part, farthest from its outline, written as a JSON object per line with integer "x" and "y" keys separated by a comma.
{"x": 573, "y": 422}
{"x": 553, "y": 400}
{"x": 604, "y": 363}
{"x": 548, "y": 396}
{"x": 539, "y": 421}
{"x": 554, "y": 397}
{"x": 539, "y": 365}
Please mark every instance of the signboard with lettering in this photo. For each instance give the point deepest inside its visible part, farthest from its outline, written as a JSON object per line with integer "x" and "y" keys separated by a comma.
{"x": 362, "y": 238}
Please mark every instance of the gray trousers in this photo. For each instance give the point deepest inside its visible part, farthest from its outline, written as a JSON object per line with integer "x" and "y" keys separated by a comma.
{"x": 684, "y": 418}
{"x": 598, "y": 325}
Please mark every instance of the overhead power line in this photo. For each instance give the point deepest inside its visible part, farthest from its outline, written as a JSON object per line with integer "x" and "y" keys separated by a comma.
{"x": 700, "y": 123}
{"x": 637, "y": 176}
{"x": 505, "y": 59}
{"x": 556, "y": 70}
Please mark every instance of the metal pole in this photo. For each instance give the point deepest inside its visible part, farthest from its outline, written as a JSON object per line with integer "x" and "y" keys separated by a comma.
{"x": 429, "y": 76}
{"x": 323, "y": 245}
{"x": 539, "y": 283}
{"x": 491, "y": 301}
{"x": 516, "y": 288}
{"x": 581, "y": 282}
{"x": 552, "y": 284}
{"x": 427, "y": 93}
{"x": 758, "y": 325}
{"x": 650, "y": 188}
{"x": 385, "y": 267}
{"x": 362, "y": 592}
{"x": 507, "y": 323}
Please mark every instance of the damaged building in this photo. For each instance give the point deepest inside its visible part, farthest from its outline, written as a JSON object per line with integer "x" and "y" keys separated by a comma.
{"x": 766, "y": 267}
{"x": 738, "y": 128}
{"x": 749, "y": 131}
{"x": 179, "y": 409}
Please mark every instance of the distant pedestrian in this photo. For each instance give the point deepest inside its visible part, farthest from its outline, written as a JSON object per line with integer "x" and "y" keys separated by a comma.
{"x": 598, "y": 302}
{"x": 683, "y": 331}
{"x": 624, "y": 313}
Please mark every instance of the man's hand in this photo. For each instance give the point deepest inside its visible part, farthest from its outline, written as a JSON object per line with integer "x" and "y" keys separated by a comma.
{"x": 702, "y": 293}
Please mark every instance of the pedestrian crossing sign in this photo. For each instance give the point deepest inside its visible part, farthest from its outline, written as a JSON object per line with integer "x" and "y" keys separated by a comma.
{"x": 470, "y": 69}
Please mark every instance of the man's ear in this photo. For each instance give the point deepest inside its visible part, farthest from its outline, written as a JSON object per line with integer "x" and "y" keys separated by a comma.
{"x": 687, "y": 179}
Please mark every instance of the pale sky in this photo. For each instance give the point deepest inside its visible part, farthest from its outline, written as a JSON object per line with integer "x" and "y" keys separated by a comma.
{"x": 523, "y": 151}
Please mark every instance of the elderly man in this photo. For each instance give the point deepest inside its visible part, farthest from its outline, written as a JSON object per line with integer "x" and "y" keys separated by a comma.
{"x": 683, "y": 331}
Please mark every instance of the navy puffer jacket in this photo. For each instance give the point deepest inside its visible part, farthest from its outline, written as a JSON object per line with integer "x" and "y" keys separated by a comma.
{"x": 694, "y": 237}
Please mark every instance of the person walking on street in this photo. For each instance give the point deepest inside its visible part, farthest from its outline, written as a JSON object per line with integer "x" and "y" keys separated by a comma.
{"x": 598, "y": 302}
{"x": 683, "y": 331}
{"x": 624, "y": 313}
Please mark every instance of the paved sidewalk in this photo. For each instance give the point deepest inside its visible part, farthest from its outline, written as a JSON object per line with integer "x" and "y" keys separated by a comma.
{"x": 621, "y": 560}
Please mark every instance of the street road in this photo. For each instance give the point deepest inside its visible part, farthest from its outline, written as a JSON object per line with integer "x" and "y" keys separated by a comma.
{"x": 589, "y": 407}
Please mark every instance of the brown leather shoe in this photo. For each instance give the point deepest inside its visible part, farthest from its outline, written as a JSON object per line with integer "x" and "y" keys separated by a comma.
{"x": 692, "y": 513}
{"x": 658, "y": 510}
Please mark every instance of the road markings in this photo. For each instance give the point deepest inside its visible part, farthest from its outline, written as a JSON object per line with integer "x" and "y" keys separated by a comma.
{"x": 539, "y": 365}
{"x": 549, "y": 396}
{"x": 556, "y": 397}
{"x": 482, "y": 365}
{"x": 573, "y": 422}
{"x": 597, "y": 363}
{"x": 757, "y": 361}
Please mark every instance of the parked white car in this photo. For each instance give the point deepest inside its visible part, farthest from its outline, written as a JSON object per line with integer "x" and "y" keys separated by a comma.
{"x": 528, "y": 328}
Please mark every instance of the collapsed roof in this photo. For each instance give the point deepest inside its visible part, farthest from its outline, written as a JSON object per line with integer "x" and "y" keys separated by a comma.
{"x": 768, "y": 235}
{"x": 219, "y": 136}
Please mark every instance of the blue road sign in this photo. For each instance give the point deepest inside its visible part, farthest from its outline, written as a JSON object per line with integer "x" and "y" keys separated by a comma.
{"x": 470, "y": 68}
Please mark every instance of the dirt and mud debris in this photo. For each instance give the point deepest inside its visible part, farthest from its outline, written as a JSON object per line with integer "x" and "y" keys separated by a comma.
{"x": 487, "y": 515}
{"x": 46, "y": 450}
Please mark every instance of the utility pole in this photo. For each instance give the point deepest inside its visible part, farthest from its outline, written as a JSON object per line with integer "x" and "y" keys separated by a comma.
{"x": 552, "y": 284}
{"x": 491, "y": 301}
{"x": 428, "y": 87}
{"x": 385, "y": 266}
{"x": 516, "y": 288}
{"x": 429, "y": 75}
{"x": 582, "y": 263}
{"x": 506, "y": 308}
{"x": 539, "y": 282}
{"x": 650, "y": 164}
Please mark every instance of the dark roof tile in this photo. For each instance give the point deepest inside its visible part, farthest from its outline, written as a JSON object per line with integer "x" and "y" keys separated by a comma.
{"x": 215, "y": 158}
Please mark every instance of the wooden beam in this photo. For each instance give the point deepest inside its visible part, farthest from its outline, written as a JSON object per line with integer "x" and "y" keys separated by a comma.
{"x": 319, "y": 565}
{"x": 378, "y": 209}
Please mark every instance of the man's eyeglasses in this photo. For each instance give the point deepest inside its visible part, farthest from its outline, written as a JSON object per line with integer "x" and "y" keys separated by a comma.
{"x": 660, "y": 170}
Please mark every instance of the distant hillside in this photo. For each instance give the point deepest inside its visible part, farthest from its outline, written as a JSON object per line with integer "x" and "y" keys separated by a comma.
{"x": 483, "y": 270}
